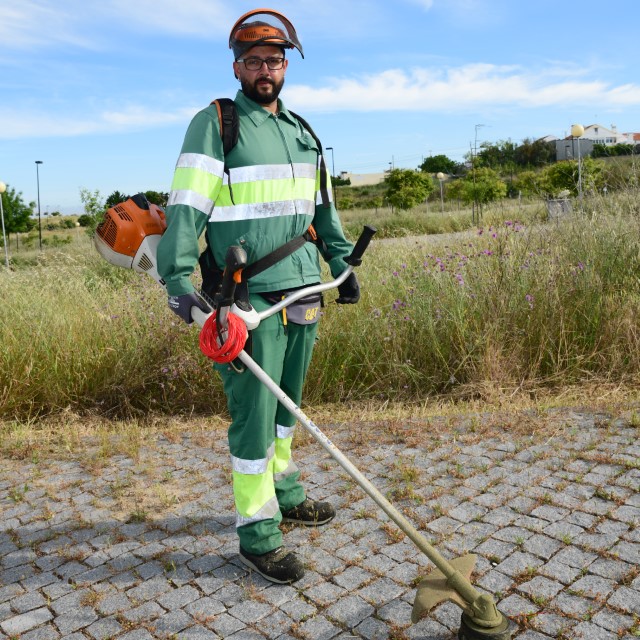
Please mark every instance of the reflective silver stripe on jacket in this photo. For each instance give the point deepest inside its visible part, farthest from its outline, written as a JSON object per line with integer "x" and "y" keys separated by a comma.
{"x": 283, "y": 432}
{"x": 271, "y": 172}
{"x": 269, "y": 510}
{"x": 253, "y": 467}
{"x": 191, "y": 199}
{"x": 259, "y": 210}
{"x": 200, "y": 161}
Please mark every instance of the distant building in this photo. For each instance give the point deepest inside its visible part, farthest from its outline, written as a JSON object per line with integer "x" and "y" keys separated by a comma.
{"x": 602, "y": 135}
{"x": 571, "y": 148}
{"x": 362, "y": 179}
{"x": 567, "y": 149}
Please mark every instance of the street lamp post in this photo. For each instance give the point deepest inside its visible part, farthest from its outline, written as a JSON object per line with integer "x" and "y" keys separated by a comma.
{"x": 576, "y": 131}
{"x": 3, "y": 188}
{"x": 333, "y": 173}
{"x": 38, "y": 163}
{"x": 440, "y": 177}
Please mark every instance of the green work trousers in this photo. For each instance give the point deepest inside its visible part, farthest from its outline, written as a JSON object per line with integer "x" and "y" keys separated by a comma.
{"x": 265, "y": 478}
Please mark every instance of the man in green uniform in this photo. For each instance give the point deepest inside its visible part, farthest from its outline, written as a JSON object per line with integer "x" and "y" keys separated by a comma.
{"x": 261, "y": 195}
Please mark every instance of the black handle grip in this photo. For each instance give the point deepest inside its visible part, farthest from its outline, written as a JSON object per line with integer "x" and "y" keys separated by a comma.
{"x": 235, "y": 260}
{"x": 355, "y": 259}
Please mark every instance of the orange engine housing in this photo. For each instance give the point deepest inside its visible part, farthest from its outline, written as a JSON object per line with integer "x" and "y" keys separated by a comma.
{"x": 128, "y": 223}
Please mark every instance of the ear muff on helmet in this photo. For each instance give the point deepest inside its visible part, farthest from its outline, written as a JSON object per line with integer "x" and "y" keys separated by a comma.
{"x": 262, "y": 27}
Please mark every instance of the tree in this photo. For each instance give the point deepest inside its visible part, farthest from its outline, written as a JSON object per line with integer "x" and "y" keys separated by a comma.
{"x": 94, "y": 209}
{"x": 534, "y": 153}
{"x": 480, "y": 186}
{"x": 564, "y": 176}
{"x": 17, "y": 214}
{"x": 434, "y": 164}
{"x": 407, "y": 188}
{"x": 115, "y": 198}
{"x": 157, "y": 197}
{"x": 500, "y": 155}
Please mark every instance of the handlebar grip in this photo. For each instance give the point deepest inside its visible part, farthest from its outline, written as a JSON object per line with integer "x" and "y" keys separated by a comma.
{"x": 355, "y": 259}
{"x": 235, "y": 260}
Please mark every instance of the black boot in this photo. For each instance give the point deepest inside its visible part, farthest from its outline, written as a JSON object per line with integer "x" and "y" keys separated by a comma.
{"x": 280, "y": 566}
{"x": 310, "y": 513}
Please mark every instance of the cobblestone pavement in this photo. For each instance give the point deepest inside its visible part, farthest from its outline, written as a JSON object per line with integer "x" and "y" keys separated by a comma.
{"x": 101, "y": 544}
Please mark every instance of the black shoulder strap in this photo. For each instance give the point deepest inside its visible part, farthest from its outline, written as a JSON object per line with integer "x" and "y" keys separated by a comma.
{"x": 229, "y": 124}
{"x": 324, "y": 190}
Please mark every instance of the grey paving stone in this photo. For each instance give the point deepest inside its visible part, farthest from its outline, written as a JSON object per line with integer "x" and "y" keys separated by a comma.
{"x": 352, "y": 578}
{"x": 371, "y": 629}
{"x": 298, "y": 609}
{"x": 27, "y": 602}
{"x": 381, "y": 592}
{"x": 574, "y": 606}
{"x": 146, "y": 611}
{"x": 591, "y": 631}
{"x": 552, "y": 624}
{"x": 26, "y": 621}
{"x": 575, "y": 557}
{"x": 318, "y": 628}
{"x": 137, "y": 634}
{"x": 428, "y": 629}
{"x": 541, "y": 587}
{"x": 613, "y": 621}
{"x": 495, "y": 582}
{"x": 46, "y": 632}
{"x": 250, "y": 611}
{"x": 178, "y": 598}
{"x": 275, "y": 624}
{"x": 75, "y": 620}
{"x": 225, "y": 625}
{"x": 197, "y": 632}
{"x": 628, "y": 600}
{"x": 518, "y": 563}
{"x": 349, "y": 611}
{"x": 532, "y": 635}
{"x": 593, "y": 587}
{"x": 397, "y": 612}
{"x": 495, "y": 550}
{"x": 104, "y": 628}
{"x": 173, "y": 622}
{"x": 627, "y": 551}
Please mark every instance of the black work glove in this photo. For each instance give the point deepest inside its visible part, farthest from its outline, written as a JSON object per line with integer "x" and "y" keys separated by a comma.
{"x": 349, "y": 290}
{"x": 181, "y": 305}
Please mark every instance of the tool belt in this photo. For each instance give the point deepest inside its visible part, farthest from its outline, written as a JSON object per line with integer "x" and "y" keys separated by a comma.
{"x": 303, "y": 311}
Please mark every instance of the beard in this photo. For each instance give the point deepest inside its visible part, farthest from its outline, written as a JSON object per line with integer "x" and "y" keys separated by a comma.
{"x": 260, "y": 92}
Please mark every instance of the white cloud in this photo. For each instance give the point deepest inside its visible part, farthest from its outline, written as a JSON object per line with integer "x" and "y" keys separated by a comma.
{"x": 43, "y": 23}
{"x": 20, "y": 124}
{"x": 464, "y": 89}
{"x": 459, "y": 89}
{"x": 32, "y": 23}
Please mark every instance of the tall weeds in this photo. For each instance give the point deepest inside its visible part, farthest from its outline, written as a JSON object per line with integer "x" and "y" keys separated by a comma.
{"x": 507, "y": 305}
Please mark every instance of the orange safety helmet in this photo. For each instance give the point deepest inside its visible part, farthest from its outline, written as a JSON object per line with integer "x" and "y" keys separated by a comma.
{"x": 262, "y": 26}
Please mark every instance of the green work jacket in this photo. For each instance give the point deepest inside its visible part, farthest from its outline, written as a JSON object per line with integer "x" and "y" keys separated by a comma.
{"x": 270, "y": 195}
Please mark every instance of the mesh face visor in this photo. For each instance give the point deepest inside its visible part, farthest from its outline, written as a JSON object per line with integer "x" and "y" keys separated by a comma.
{"x": 262, "y": 27}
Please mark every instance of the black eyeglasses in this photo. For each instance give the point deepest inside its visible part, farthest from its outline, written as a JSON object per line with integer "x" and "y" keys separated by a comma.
{"x": 255, "y": 64}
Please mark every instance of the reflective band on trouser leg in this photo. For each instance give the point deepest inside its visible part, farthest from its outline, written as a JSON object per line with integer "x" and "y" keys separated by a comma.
{"x": 256, "y": 509}
{"x": 286, "y": 474}
{"x": 283, "y": 464}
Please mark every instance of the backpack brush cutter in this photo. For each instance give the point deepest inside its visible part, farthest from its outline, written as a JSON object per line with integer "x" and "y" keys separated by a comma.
{"x": 129, "y": 238}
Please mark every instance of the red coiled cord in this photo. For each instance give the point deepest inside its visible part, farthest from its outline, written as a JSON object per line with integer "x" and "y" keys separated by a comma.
{"x": 237, "y": 335}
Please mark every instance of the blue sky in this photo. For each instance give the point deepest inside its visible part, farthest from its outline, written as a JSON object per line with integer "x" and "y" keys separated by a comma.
{"x": 102, "y": 92}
